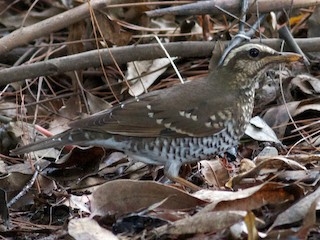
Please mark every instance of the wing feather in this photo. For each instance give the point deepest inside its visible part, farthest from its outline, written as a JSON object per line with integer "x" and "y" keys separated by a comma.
{"x": 168, "y": 112}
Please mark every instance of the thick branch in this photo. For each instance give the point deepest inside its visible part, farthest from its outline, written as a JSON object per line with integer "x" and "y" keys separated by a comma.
{"x": 24, "y": 35}
{"x": 126, "y": 54}
{"x": 214, "y": 7}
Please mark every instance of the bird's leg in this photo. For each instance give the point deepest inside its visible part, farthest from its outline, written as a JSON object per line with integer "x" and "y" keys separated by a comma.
{"x": 185, "y": 183}
{"x": 171, "y": 171}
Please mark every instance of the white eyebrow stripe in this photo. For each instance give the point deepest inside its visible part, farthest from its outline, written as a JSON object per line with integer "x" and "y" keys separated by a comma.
{"x": 246, "y": 47}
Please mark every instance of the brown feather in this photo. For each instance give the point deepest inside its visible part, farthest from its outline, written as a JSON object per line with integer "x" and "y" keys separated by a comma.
{"x": 132, "y": 118}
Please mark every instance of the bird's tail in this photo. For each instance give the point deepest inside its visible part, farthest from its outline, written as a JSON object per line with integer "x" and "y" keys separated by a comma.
{"x": 69, "y": 137}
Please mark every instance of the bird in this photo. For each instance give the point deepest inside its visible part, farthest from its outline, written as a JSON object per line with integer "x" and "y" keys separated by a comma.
{"x": 182, "y": 124}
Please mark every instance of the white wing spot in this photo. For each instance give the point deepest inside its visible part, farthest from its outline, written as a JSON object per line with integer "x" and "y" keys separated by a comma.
{"x": 159, "y": 121}
{"x": 222, "y": 115}
{"x": 149, "y": 106}
{"x": 208, "y": 124}
{"x": 181, "y": 131}
{"x": 182, "y": 113}
{"x": 213, "y": 118}
{"x": 194, "y": 117}
{"x": 228, "y": 113}
{"x": 150, "y": 114}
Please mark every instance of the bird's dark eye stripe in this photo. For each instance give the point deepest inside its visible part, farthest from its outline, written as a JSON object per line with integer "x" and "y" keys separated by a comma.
{"x": 254, "y": 52}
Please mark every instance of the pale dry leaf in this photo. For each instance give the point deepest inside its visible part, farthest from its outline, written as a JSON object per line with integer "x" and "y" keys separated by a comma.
{"x": 299, "y": 175}
{"x": 66, "y": 114}
{"x": 314, "y": 23}
{"x": 277, "y": 117}
{"x": 276, "y": 164}
{"x": 9, "y": 109}
{"x": 238, "y": 230}
{"x": 18, "y": 128}
{"x": 279, "y": 162}
{"x": 3, "y": 167}
{"x": 166, "y": 24}
{"x": 24, "y": 168}
{"x": 268, "y": 151}
{"x": 306, "y": 83}
{"x": 307, "y": 105}
{"x": 96, "y": 104}
{"x": 266, "y": 93}
{"x": 87, "y": 228}
{"x": 28, "y": 133}
{"x": 79, "y": 202}
{"x": 259, "y": 130}
{"x": 246, "y": 165}
{"x": 146, "y": 73}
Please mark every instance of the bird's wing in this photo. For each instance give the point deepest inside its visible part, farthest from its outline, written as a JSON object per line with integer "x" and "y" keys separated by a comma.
{"x": 181, "y": 110}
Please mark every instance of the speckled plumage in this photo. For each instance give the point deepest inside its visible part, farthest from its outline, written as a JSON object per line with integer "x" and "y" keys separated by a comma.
{"x": 181, "y": 124}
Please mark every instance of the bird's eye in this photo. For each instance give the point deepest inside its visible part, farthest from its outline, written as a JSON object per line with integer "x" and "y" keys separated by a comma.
{"x": 254, "y": 52}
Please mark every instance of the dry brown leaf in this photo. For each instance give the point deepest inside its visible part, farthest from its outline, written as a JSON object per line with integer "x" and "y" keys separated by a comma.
{"x": 270, "y": 193}
{"x": 298, "y": 211}
{"x": 204, "y": 222}
{"x": 247, "y": 199}
{"x": 309, "y": 221}
{"x": 214, "y": 173}
{"x": 299, "y": 175}
{"x": 274, "y": 163}
{"x": 13, "y": 183}
{"x": 112, "y": 31}
{"x": 125, "y": 196}
{"x": 81, "y": 157}
{"x": 278, "y": 116}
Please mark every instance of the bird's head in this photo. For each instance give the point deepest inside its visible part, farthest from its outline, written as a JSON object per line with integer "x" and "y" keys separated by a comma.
{"x": 245, "y": 63}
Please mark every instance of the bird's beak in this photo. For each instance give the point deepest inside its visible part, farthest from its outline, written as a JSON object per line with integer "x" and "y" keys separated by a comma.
{"x": 285, "y": 57}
